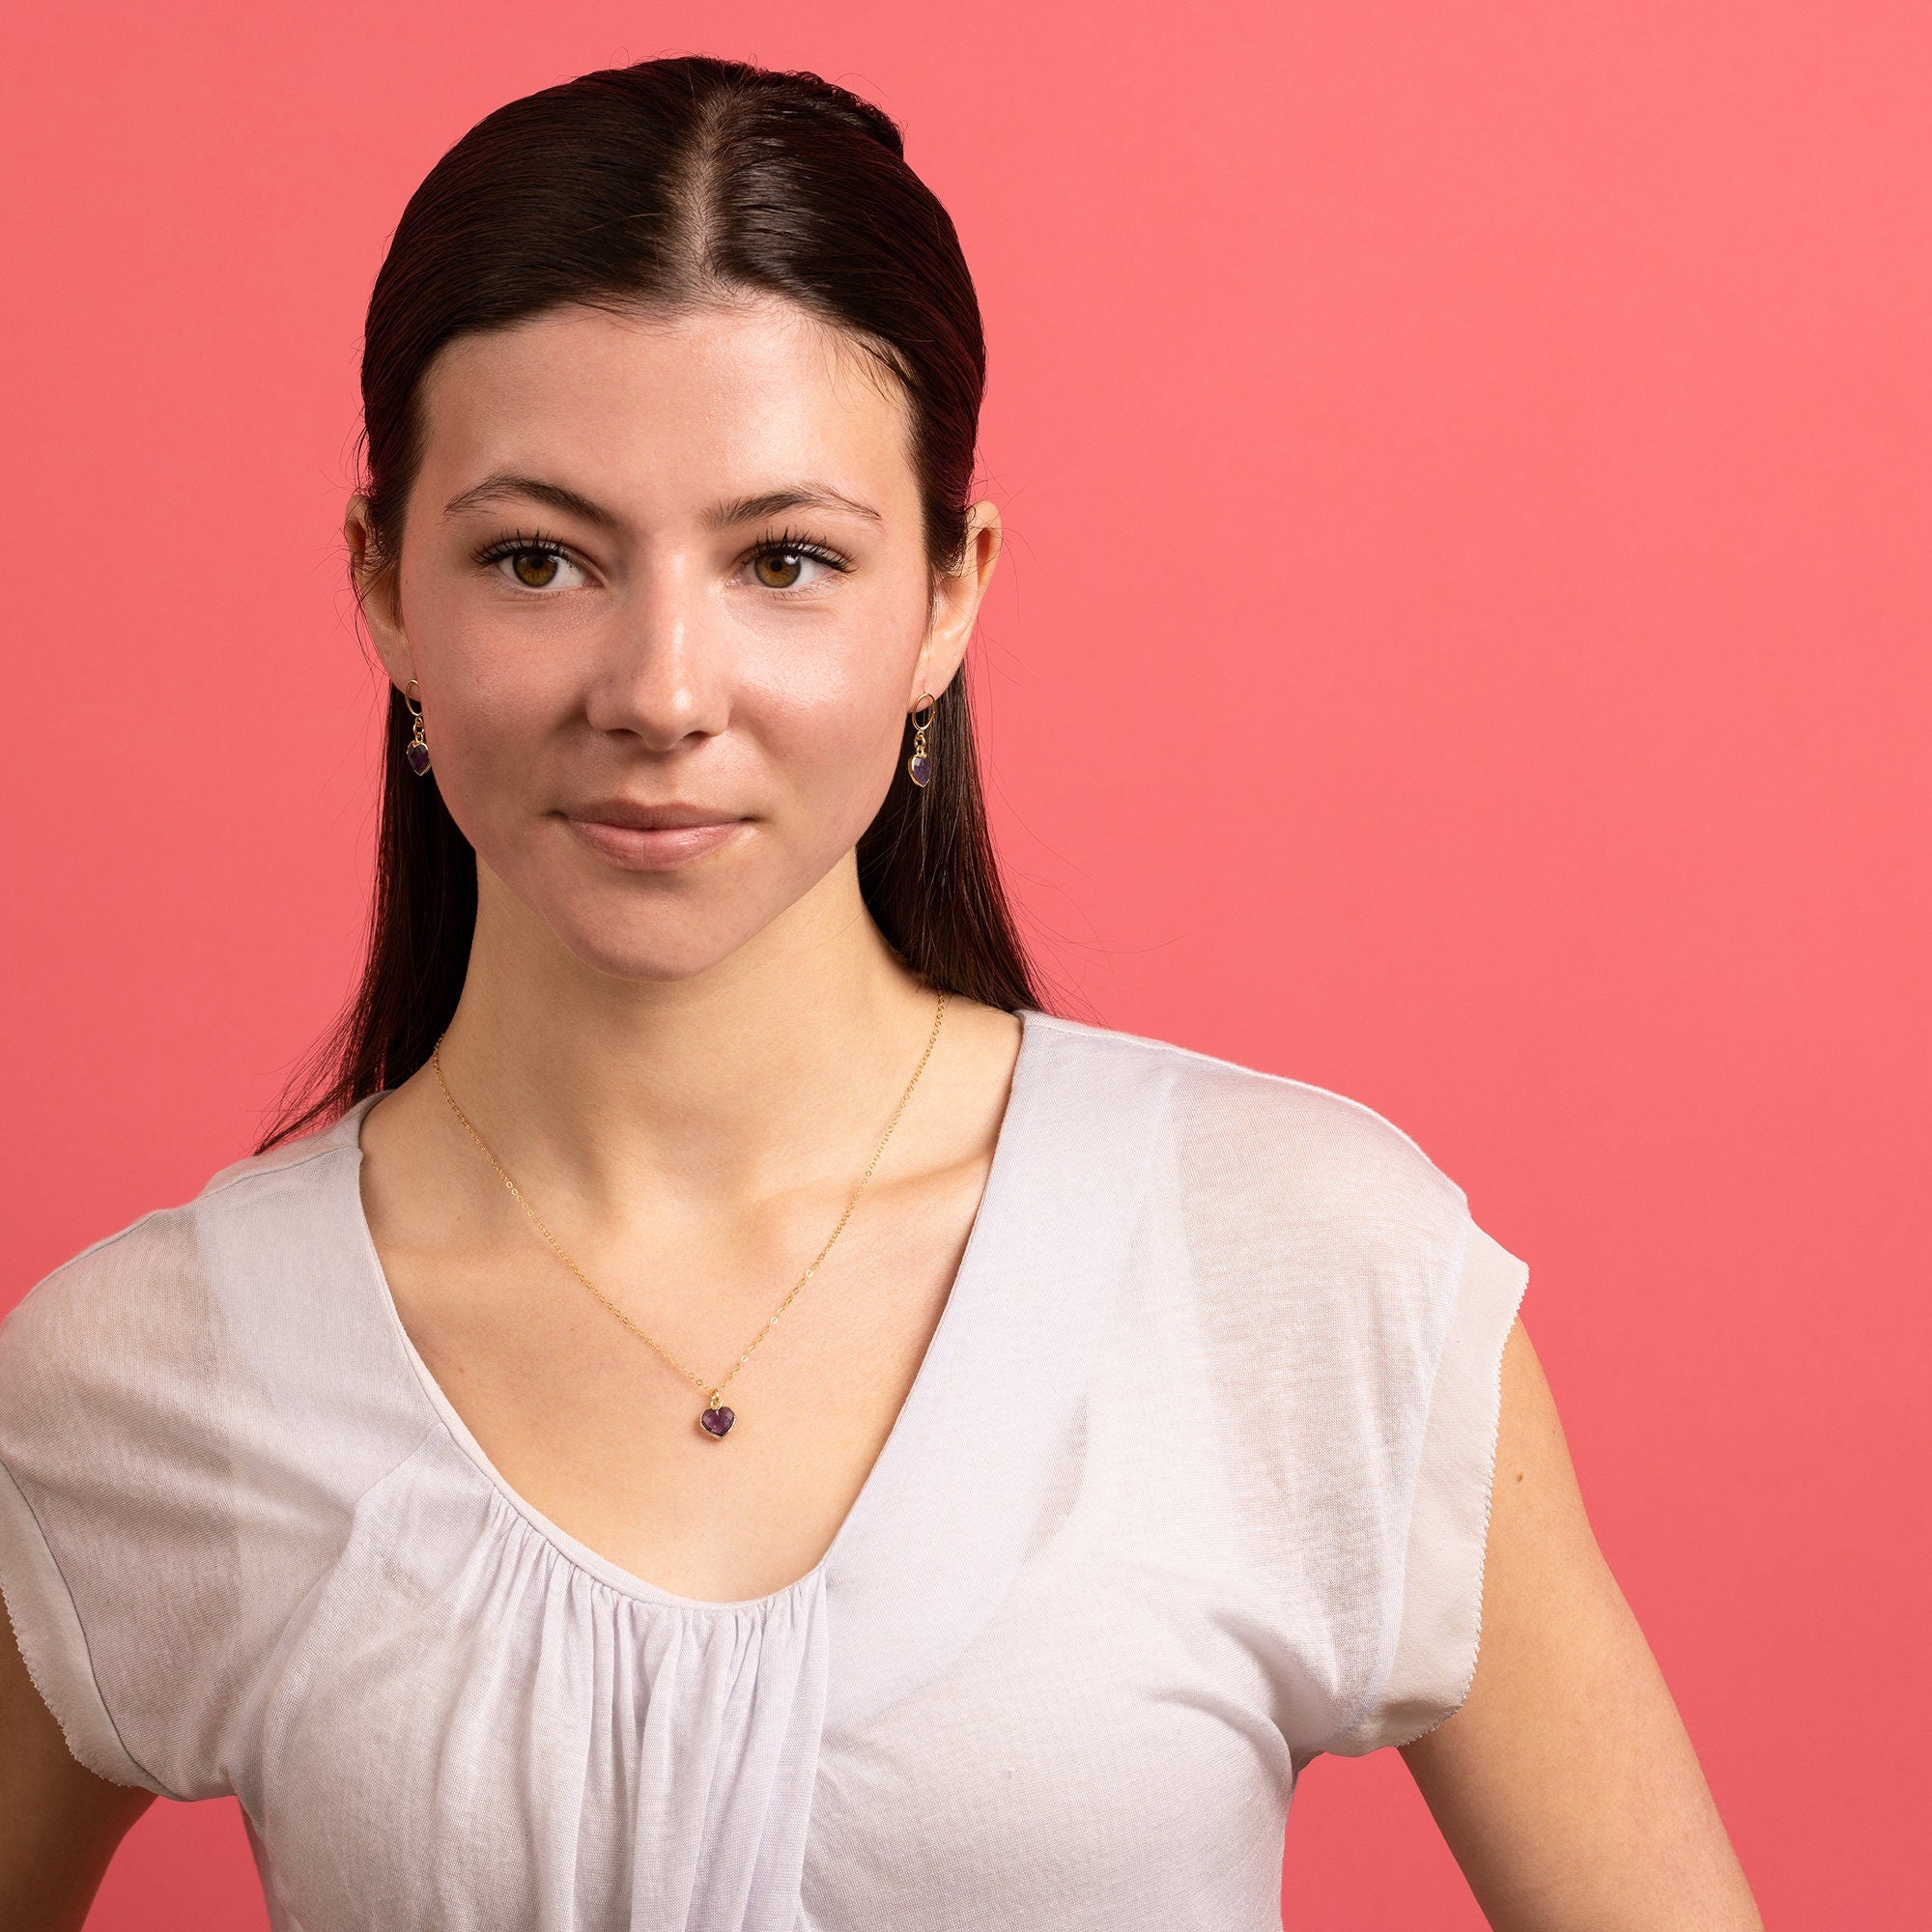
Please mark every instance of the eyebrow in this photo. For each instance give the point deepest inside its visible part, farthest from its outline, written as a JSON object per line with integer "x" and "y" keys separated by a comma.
{"x": 803, "y": 496}
{"x": 505, "y": 486}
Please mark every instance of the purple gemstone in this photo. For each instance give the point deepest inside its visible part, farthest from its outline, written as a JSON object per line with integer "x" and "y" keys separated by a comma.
{"x": 717, "y": 1420}
{"x": 418, "y": 757}
{"x": 919, "y": 768}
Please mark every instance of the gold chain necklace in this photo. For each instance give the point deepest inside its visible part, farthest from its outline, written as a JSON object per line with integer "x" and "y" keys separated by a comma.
{"x": 716, "y": 1418}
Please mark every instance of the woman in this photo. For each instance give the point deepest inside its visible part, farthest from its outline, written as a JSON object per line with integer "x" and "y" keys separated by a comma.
{"x": 719, "y": 1411}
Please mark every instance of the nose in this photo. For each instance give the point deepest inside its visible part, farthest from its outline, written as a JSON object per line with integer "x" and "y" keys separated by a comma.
{"x": 660, "y": 676}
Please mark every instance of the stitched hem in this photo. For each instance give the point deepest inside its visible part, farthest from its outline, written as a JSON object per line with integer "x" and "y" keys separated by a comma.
{"x": 53, "y": 1645}
{"x": 1461, "y": 1695}
{"x": 1432, "y": 1628}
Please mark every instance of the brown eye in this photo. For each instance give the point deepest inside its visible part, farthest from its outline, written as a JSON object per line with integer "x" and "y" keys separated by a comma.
{"x": 779, "y": 569}
{"x": 532, "y": 563}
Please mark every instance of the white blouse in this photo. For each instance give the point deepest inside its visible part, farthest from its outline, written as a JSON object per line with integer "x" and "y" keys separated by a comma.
{"x": 1192, "y": 1485}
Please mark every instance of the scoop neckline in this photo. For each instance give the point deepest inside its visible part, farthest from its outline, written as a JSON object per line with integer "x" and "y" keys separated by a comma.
{"x": 921, "y": 1398}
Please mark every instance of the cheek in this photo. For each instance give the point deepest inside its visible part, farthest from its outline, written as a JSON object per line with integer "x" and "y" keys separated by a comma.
{"x": 502, "y": 717}
{"x": 498, "y": 737}
{"x": 511, "y": 694}
{"x": 816, "y": 715}
{"x": 825, "y": 715}
{"x": 500, "y": 681}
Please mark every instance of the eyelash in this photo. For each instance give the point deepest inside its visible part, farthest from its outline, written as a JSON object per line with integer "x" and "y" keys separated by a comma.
{"x": 531, "y": 541}
{"x": 788, "y": 542}
{"x": 782, "y": 543}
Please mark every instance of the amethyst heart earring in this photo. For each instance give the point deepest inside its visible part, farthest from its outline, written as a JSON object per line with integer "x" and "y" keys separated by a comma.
{"x": 416, "y": 752}
{"x": 919, "y": 767}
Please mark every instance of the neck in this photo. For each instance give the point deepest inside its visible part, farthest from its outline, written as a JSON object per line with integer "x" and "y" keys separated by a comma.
{"x": 780, "y": 1062}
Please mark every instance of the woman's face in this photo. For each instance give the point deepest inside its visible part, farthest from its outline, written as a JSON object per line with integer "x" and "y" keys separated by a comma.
{"x": 665, "y": 569}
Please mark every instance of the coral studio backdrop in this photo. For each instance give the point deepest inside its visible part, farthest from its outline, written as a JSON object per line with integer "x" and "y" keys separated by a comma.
{"x": 1463, "y": 642}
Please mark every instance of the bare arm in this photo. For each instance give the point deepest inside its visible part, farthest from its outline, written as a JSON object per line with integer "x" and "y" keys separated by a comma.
{"x": 59, "y": 1823}
{"x": 1565, "y": 1785}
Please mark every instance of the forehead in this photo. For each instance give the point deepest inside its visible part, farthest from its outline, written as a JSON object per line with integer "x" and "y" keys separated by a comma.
{"x": 670, "y": 408}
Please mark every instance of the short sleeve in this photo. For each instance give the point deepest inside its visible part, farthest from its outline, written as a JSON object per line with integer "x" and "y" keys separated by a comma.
{"x": 1437, "y": 1618}
{"x": 47, "y": 1628}
{"x": 1354, "y": 1315}
{"x": 191, "y": 1411}
{"x": 117, "y": 1551}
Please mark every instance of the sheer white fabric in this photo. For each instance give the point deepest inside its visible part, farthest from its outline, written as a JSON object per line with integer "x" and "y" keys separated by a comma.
{"x": 1193, "y": 1484}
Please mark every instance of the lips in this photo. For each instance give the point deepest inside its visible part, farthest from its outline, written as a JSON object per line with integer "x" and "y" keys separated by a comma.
{"x": 637, "y": 838}
{"x": 673, "y": 816}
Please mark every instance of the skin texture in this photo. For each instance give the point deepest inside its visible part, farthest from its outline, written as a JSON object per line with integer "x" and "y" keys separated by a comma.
{"x": 59, "y": 1824}
{"x": 1565, "y": 1785}
{"x": 686, "y": 1069}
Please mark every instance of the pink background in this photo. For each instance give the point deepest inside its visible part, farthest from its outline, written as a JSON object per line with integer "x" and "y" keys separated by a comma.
{"x": 1463, "y": 642}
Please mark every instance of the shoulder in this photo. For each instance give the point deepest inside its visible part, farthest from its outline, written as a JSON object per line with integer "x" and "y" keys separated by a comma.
{"x": 205, "y": 1367}
{"x": 154, "y": 1286}
{"x": 166, "y": 1354}
{"x": 1274, "y": 1149}
{"x": 199, "y": 1330}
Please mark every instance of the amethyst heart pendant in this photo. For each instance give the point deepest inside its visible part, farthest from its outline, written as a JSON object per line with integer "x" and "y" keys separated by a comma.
{"x": 716, "y": 1421}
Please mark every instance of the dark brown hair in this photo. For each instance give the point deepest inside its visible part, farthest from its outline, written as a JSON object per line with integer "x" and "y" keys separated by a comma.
{"x": 661, "y": 187}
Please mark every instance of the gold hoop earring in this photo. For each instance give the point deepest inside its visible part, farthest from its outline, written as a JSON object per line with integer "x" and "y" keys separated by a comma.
{"x": 416, "y": 750}
{"x": 919, "y": 767}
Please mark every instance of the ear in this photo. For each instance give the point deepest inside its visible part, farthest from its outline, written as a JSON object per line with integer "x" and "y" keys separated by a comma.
{"x": 955, "y": 603}
{"x": 374, "y": 585}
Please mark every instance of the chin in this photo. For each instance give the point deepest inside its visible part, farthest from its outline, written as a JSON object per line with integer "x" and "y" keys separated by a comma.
{"x": 654, "y": 926}
{"x": 655, "y": 944}
{"x": 659, "y": 926}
